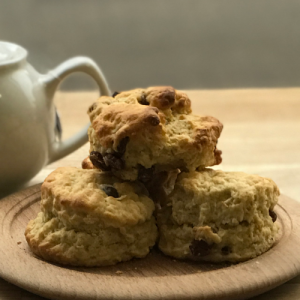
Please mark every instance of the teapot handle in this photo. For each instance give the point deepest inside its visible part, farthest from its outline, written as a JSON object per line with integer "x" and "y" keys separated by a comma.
{"x": 51, "y": 81}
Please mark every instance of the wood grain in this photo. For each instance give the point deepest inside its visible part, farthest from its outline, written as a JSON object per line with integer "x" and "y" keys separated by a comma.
{"x": 156, "y": 276}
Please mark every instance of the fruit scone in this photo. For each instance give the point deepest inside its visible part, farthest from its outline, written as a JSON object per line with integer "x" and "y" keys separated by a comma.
{"x": 90, "y": 218}
{"x": 144, "y": 131}
{"x": 218, "y": 216}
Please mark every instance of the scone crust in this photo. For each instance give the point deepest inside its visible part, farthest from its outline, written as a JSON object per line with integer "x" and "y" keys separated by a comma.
{"x": 149, "y": 128}
{"x": 167, "y": 99}
{"x": 55, "y": 242}
{"x": 74, "y": 195}
{"x": 87, "y": 164}
{"x": 229, "y": 212}
{"x": 90, "y": 218}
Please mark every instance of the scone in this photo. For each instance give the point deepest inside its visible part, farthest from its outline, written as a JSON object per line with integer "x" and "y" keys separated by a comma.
{"x": 159, "y": 185}
{"x": 87, "y": 164}
{"x": 140, "y": 132}
{"x": 89, "y": 218}
{"x": 218, "y": 216}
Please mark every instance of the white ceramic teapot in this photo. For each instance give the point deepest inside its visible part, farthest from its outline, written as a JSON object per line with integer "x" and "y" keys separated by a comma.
{"x": 28, "y": 122}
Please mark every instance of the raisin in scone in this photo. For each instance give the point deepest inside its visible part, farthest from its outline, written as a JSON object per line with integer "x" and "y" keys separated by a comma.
{"x": 218, "y": 216}
{"x": 144, "y": 131}
{"x": 159, "y": 185}
{"x": 89, "y": 218}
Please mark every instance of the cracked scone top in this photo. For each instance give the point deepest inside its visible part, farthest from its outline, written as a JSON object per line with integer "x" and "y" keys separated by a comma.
{"x": 89, "y": 218}
{"x": 142, "y": 131}
{"x": 218, "y": 216}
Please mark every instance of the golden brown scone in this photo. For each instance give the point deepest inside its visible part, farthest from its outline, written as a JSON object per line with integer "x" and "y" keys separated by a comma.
{"x": 90, "y": 218}
{"x": 87, "y": 164}
{"x": 145, "y": 131}
{"x": 218, "y": 216}
{"x": 165, "y": 98}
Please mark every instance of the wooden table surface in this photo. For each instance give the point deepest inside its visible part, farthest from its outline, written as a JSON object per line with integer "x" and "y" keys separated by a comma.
{"x": 260, "y": 136}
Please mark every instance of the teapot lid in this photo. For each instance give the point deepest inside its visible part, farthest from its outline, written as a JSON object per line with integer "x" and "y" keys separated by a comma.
{"x": 11, "y": 53}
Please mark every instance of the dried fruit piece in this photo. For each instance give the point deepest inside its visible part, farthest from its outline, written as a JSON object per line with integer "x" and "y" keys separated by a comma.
{"x": 273, "y": 215}
{"x": 226, "y": 250}
{"x": 97, "y": 160}
{"x": 122, "y": 145}
{"x": 115, "y": 94}
{"x": 145, "y": 175}
{"x": 113, "y": 161}
{"x": 199, "y": 248}
{"x": 109, "y": 190}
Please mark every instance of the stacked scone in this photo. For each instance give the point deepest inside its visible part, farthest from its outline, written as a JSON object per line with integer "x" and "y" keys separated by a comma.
{"x": 148, "y": 150}
{"x": 218, "y": 216}
{"x": 90, "y": 218}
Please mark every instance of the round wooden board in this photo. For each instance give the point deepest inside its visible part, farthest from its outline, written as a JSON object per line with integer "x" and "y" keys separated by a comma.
{"x": 156, "y": 276}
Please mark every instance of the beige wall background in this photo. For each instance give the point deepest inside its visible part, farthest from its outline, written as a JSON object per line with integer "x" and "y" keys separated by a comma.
{"x": 184, "y": 43}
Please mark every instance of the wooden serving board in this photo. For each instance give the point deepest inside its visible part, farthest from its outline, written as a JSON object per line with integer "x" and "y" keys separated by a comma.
{"x": 156, "y": 276}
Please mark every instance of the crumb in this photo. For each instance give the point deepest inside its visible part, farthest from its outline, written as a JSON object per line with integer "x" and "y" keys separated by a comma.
{"x": 119, "y": 272}
{"x": 19, "y": 243}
